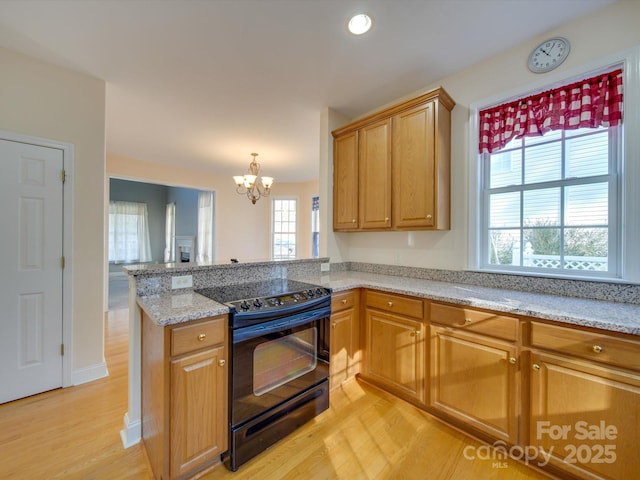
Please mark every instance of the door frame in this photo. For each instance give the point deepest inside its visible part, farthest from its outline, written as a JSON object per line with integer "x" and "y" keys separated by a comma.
{"x": 67, "y": 242}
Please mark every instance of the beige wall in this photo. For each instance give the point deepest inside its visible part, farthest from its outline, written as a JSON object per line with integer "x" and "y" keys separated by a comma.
{"x": 242, "y": 230}
{"x": 592, "y": 38}
{"x": 42, "y": 100}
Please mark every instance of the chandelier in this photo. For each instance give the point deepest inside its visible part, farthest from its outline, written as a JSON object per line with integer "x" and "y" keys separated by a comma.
{"x": 249, "y": 184}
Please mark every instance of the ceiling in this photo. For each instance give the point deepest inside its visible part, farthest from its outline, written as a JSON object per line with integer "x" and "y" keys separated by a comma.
{"x": 202, "y": 84}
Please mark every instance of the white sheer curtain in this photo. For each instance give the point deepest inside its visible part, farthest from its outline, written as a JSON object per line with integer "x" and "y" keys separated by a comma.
{"x": 129, "y": 232}
{"x": 170, "y": 233}
{"x": 205, "y": 228}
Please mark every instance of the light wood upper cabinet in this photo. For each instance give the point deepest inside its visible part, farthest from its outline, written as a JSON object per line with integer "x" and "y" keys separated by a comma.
{"x": 403, "y": 155}
{"x": 421, "y": 167}
{"x": 374, "y": 180}
{"x": 345, "y": 182}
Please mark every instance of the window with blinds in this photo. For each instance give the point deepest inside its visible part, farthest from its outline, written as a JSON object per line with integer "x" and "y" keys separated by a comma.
{"x": 284, "y": 228}
{"x": 550, "y": 202}
{"x": 550, "y": 175}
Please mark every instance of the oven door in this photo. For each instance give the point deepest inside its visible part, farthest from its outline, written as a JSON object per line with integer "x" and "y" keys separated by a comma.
{"x": 277, "y": 360}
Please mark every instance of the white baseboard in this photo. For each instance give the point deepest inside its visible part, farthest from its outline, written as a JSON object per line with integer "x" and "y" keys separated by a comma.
{"x": 132, "y": 432}
{"x": 89, "y": 374}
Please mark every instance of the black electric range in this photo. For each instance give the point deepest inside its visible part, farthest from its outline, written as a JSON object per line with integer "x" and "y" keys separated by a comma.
{"x": 255, "y": 302}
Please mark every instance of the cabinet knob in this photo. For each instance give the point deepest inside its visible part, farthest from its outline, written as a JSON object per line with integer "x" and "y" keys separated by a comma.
{"x": 386, "y": 219}
{"x": 467, "y": 320}
{"x": 221, "y": 362}
{"x": 344, "y": 301}
{"x": 536, "y": 367}
{"x": 202, "y": 336}
{"x": 513, "y": 360}
{"x": 390, "y": 304}
{"x": 353, "y": 220}
{"x": 429, "y": 217}
{"x": 597, "y": 349}
{"x": 334, "y": 324}
{"x": 415, "y": 333}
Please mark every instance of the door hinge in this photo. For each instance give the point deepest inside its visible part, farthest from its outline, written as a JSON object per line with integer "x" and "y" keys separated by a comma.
{"x": 63, "y": 175}
{"x": 62, "y": 262}
{"x": 62, "y": 349}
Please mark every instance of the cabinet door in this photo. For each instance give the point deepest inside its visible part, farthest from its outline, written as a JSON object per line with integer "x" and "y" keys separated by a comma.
{"x": 198, "y": 410}
{"x": 345, "y": 182}
{"x": 414, "y": 187}
{"x": 585, "y": 416}
{"x": 343, "y": 347}
{"x": 374, "y": 153}
{"x": 395, "y": 353}
{"x": 473, "y": 379}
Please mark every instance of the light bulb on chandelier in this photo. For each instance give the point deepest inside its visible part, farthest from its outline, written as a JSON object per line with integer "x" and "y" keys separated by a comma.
{"x": 250, "y": 186}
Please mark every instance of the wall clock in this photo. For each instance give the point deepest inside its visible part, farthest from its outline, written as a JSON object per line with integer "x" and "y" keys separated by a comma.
{"x": 549, "y": 55}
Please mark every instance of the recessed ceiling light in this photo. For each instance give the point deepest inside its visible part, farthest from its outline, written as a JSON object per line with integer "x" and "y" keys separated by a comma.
{"x": 360, "y": 23}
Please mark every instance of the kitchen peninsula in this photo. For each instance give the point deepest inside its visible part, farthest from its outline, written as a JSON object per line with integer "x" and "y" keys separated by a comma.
{"x": 530, "y": 354}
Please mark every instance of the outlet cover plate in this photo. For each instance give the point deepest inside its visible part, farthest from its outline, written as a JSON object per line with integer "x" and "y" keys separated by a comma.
{"x": 181, "y": 281}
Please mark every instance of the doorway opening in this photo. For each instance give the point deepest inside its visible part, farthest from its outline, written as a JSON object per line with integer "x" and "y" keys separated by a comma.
{"x": 178, "y": 228}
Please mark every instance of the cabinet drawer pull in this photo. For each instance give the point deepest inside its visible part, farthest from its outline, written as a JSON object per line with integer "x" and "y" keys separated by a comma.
{"x": 390, "y": 304}
{"x": 536, "y": 367}
{"x": 513, "y": 360}
{"x": 202, "y": 336}
{"x": 221, "y": 362}
{"x": 415, "y": 333}
{"x": 467, "y": 320}
{"x": 597, "y": 349}
{"x": 344, "y": 301}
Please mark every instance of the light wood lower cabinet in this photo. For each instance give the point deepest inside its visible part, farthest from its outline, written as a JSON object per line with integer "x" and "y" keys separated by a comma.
{"x": 474, "y": 380}
{"x": 585, "y": 410}
{"x": 184, "y": 396}
{"x": 395, "y": 348}
{"x": 345, "y": 337}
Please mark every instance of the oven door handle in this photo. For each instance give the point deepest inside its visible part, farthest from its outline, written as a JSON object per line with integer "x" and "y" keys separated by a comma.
{"x": 247, "y": 333}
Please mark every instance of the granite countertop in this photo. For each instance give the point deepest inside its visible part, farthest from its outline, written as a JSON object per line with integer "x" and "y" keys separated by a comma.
{"x": 181, "y": 306}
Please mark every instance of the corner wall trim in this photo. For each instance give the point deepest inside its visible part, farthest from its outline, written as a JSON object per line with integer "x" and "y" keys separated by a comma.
{"x": 131, "y": 434}
{"x": 89, "y": 374}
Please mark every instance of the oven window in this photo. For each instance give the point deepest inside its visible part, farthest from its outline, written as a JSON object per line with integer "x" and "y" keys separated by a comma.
{"x": 279, "y": 361}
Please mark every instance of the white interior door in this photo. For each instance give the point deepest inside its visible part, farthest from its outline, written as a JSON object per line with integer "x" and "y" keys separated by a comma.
{"x": 31, "y": 200}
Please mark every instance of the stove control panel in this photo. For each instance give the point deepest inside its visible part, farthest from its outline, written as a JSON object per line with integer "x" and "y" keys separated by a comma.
{"x": 273, "y": 303}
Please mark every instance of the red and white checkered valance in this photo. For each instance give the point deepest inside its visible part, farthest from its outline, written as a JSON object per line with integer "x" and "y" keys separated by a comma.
{"x": 594, "y": 102}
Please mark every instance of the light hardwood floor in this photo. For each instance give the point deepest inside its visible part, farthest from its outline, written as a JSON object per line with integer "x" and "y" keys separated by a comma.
{"x": 73, "y": 433}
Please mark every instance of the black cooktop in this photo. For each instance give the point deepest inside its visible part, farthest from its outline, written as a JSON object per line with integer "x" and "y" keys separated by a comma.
{"x": 253, "y": 290}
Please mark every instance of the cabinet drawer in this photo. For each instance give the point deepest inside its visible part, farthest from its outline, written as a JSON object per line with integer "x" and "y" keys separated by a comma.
{"x": 193, "y": 337}
{"x": 411, "y": 307}
{"x": 594, "y": 346}
{"x": 487, "y": 323}
{"x": 343, "y": 300}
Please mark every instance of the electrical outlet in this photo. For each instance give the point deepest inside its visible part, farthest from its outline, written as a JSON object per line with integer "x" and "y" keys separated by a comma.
{"x": 325, "y": 267}
{"x": 182, "y": 281}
